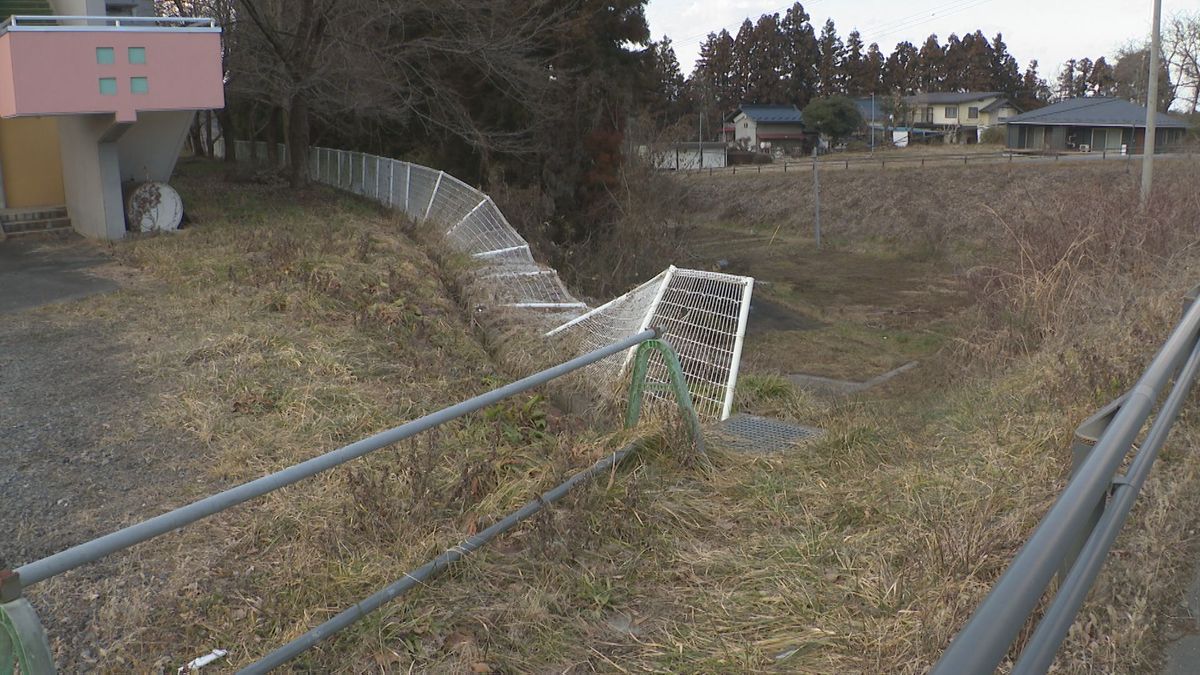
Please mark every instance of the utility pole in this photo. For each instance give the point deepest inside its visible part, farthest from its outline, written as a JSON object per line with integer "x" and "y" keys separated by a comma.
{"x": 1151, "y": 107}
{"x": 872, "y": 121}
{"x": 700, "y": 144}
{"x": 817, "y": 199}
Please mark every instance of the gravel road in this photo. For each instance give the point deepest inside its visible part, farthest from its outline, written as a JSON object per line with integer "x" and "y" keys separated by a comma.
{"x": 80, "y": 457}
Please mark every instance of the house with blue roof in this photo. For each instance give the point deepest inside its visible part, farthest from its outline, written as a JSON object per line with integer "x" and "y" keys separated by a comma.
{"x": 1092, "y": 123}
{"x": 774, "y": 129}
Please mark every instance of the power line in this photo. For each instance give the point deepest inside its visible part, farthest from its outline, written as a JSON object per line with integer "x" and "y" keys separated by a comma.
{"x": 967, "y": 4}
{"x": 700, "y": 37}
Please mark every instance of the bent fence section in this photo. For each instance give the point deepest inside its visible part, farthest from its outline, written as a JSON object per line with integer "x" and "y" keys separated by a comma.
{"x": 1076, "y": 534}
{"x": 703, "y": 315}
{"x": 24, "y": 648}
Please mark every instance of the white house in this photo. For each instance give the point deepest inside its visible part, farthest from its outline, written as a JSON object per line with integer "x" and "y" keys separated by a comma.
{"x": 962, "y": 116}
{"x": 777, "y": 129}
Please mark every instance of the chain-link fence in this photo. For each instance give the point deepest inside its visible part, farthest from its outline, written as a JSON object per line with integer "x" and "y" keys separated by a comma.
{"x": 701, "y": 314}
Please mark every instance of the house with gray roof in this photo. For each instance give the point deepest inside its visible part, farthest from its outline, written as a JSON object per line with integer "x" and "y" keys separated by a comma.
{"x": 961, "y": 116}
{"x": 776, "y": 129}
{"x": 1092, "y": 124}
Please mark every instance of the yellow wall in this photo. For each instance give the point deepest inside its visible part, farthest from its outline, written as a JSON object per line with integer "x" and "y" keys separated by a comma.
{"x": 31, "y": 162}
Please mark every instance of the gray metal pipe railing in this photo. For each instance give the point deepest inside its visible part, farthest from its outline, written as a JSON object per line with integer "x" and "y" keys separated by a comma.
{"x": 24, "y": 576}
{"x": 430, "y": 569}
{"x": 995, "y": 624}
{"x": 1039, "y": 653}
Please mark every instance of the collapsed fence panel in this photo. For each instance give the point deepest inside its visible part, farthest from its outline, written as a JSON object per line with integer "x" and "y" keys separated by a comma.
{"x": 703, "y": 314}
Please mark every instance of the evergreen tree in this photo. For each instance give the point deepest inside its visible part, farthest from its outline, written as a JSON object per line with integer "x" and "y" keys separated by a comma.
{"x": 743, "y": 49}
{"x": 1034, "y": 92}
{"x": 854, "y": 72}
{"x": 712, "y": 81}
{"x": 873, "y": 70}
{"x": 830, "y": 74}
{"x": 978, "y": 59}
{"x": 930, "y": 65}
{"x": 801, "y": 56}
{"x": 900, "y": 71}
{"x": 1006, "y": 72}
{"x": 767, "y": 56}
{"x": 665, "y": 100}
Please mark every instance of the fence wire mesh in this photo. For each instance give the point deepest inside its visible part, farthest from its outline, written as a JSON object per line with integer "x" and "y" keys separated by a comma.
{"x": 702, "y": 314}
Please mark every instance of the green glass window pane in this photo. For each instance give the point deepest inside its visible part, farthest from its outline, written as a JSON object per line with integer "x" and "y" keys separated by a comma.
{"x": 105, "y": 56}
{"x": 137, "y": 55}
{"x": 139, "y": 85}
{"x": 108, "y": 86}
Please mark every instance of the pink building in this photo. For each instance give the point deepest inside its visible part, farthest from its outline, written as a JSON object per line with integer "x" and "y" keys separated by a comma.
{"x": 95, "y": 96}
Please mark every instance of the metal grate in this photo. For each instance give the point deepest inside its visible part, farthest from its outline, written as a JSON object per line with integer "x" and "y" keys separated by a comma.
{"x": 751, "y": 433}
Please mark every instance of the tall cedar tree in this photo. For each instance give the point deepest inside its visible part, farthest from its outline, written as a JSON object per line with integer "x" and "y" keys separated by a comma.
{"x": 802, "y": 56}
{"x": 830, "y": 68}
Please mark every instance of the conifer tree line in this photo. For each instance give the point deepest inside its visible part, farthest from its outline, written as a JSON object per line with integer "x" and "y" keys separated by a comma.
{"x": 786, "y": 58}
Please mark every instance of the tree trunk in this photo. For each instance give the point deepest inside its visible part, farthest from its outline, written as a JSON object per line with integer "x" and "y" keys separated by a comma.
{"x": 210, "y": 141}
{"x": 225, "y": 120}
{"x": 197, "y": 141}
{"x": 298, "y": 140}
{"x": 273, "y": 137}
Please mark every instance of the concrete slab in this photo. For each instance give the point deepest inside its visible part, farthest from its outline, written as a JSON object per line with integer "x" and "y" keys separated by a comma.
{"x": 827, "y": 386}
{"x": 36, "y": 273}
{"x": 1183, "y": 651}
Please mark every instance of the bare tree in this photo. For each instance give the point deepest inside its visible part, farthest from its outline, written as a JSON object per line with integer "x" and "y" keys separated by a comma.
{"x": 223, "y": 12}
{"x": 1181, "y": 51}
{"x": 470, "y": 70}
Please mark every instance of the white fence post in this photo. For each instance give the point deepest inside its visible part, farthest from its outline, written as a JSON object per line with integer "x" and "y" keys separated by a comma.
{"x": 391, "y": 184}
{"x": 407, "y": 185}
{"x": 662, "y": 290}
{"x": 433, "y": 196}
{"x": 734, "y": 365}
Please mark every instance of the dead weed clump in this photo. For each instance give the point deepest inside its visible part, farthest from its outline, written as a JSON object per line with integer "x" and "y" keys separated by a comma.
{"x": 1067, "y": 270}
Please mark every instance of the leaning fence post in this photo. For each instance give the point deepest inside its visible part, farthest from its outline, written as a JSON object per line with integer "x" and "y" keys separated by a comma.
{"x": 1086, "y": 436}
{"x": 23, "y": 642}
{"x": 676, "y": 383}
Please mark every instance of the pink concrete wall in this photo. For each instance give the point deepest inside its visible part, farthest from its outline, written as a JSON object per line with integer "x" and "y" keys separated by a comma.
{"x": 55, "y": 72}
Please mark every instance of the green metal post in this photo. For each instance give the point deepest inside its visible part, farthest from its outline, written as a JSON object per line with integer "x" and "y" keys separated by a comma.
{"x": 24, "y": 648}
{"x": 677, "y": 384}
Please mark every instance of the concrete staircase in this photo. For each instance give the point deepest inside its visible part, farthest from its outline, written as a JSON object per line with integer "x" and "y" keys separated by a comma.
{"x": 42, "y": 220}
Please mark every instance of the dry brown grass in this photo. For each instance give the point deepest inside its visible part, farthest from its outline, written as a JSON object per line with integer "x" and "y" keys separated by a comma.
{"x": 295, "y": 324}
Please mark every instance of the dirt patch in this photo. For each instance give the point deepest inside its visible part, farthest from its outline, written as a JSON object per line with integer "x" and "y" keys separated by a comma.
{"x": 768, "y": 315}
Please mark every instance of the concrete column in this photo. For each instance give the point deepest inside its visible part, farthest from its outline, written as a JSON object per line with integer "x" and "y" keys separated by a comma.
{"x": 151, "y": 147}
{"x": 92, "y": 174}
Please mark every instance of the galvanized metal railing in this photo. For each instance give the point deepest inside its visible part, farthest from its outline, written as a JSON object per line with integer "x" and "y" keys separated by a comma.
{"x": 23, "y": 642}
{"x": 129, "y": 24}
{"x": 1075, "y": 536}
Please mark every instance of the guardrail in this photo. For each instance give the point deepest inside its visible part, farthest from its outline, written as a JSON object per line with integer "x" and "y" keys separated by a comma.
{"x": 1075, "y": 536}
{"x": 847, "y": 162}
{"x": 23, "y": 644}
{"x": 106, "y": 23}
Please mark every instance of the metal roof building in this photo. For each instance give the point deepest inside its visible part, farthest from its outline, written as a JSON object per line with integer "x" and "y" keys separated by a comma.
{"x": 1091, "y": 123}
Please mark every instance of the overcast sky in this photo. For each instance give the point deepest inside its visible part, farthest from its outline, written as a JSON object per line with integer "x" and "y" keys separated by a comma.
{"x": 1050, "y": 31}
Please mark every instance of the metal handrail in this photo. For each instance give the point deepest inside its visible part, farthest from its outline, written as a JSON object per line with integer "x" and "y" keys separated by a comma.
{"x": 985, "y": 640}
{"x": 14, "y": 581}
{"x": 53, "y": 22}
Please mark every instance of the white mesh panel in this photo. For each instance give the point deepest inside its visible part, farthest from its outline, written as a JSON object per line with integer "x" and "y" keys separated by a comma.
{"x": 483, "y": 229}
{"x": 421, "y": 186}
{"x": 702, "y": 315}
{"x": 453, "y": 202}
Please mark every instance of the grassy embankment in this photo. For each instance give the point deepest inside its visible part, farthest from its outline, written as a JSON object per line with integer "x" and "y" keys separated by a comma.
{"x": 298, "y": 323}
